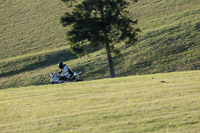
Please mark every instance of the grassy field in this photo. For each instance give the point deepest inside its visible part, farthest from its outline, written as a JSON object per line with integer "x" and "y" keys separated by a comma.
{"x": 167, "y": 102}
{"x": 32, "y": 42}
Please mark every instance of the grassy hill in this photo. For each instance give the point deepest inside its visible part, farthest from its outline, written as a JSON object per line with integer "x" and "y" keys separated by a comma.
{"x": 32, "y": 41}
{"x": 145, "y": 103}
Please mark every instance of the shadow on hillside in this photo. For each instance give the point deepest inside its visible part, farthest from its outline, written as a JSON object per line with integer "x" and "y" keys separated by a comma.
{"x": 39, "y": 61}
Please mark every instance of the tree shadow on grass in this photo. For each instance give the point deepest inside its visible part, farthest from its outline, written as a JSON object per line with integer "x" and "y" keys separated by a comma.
{"x": 39, "y": 61}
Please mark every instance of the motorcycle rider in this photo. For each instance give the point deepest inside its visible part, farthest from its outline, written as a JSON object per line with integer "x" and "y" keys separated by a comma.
{"x": 67, "y": 72}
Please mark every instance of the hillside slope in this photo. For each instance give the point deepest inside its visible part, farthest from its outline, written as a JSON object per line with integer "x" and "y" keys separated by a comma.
{"x": 148, "y": 103}
{"x": 32, "y": 41}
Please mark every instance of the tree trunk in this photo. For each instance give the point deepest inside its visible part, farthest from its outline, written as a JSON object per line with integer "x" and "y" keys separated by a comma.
{"x": 110, "y": 61}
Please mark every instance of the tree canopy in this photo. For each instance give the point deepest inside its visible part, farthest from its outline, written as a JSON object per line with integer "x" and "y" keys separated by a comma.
{"x": 102, "y": 23}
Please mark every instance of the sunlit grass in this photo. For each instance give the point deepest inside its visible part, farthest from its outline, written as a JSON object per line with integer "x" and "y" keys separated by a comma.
{"x": 32, "y": 41}
{"x": 148, "y": 103}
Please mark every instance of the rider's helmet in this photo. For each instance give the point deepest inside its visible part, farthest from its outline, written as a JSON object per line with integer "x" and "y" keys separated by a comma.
{"x": 61, "y": 65}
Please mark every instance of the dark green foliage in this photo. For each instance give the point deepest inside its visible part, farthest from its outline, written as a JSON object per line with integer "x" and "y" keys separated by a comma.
{"x": 100, "y": 22}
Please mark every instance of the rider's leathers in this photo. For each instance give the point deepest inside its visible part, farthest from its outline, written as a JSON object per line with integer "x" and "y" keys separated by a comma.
{"x": 67, "y": 72}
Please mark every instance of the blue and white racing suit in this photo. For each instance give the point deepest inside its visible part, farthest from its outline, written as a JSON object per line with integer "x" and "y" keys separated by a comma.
{"x": 66, "y": 72}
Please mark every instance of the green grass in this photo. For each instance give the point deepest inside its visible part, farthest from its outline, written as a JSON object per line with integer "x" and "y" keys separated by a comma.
{"x": 33, "y": 41}
{"x": 29, "y": 27}
{"x": 166, "y": 102}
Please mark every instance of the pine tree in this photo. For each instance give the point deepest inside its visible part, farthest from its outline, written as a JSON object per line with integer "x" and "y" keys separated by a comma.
{"x": 102, "y": 23}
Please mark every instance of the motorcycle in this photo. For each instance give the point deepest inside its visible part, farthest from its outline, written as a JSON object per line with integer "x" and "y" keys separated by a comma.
{"x": 57, "y": 79}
